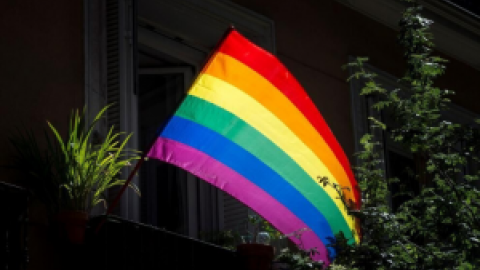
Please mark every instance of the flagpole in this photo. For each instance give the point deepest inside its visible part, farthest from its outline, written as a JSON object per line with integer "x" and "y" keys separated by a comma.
{"x": 122, "y": 190}
{"x": 139, "y": 162}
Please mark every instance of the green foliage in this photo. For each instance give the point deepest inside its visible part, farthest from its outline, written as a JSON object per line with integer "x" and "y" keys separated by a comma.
{"x": 438, "y": 228}
{"x": 259, "y": 224}
{"x": 334, "y": 266}
{"x": 36, "y": 165}
{"x": 228, "y": 239}
{"x": 73, "y": 173}
{"x": 299, "y": 258}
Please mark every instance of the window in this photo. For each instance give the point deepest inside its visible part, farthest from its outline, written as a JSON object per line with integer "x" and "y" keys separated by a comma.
{"x": 399, "y": 162}
{"x": 153, "y": 49}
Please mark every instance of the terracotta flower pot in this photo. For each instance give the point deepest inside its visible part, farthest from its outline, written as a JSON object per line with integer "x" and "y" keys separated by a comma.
{"x": 255, "y": 256}
{"x": 71, "y": 226}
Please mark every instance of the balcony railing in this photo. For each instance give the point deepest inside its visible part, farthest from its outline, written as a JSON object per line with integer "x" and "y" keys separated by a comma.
{"x": 122, "y": 245}
{"x": 119, "y": 245}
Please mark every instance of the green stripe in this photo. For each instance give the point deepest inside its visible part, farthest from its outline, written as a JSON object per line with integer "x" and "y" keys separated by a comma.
{"x": 235, "y": 129}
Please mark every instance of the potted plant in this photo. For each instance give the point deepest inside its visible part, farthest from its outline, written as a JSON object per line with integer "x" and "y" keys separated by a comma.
{"x": 74, "y": 173}
{"x": 258, "y": 254}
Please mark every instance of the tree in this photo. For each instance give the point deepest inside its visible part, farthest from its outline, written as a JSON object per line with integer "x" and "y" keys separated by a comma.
{"x": 439, "y": 228}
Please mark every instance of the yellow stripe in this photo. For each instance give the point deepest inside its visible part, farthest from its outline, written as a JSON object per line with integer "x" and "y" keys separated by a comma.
{"x": 272, "y": 99}
{"x": 249, "y": 110}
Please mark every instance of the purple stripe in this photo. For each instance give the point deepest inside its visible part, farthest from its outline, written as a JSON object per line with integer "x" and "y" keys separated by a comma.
{"x": 242, "y": 189}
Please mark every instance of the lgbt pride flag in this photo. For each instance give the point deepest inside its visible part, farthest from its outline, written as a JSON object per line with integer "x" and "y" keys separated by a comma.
{"x": 247, "y": 127}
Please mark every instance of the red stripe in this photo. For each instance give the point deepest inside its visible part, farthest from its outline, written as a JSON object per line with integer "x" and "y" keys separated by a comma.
{"x": 267, "y": 65}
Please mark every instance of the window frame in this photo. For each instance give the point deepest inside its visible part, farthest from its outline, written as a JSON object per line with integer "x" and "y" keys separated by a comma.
{"x": 179, "y": 30}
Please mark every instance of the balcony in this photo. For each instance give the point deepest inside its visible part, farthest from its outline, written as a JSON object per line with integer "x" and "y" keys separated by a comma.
{"x": 120, "y": 244}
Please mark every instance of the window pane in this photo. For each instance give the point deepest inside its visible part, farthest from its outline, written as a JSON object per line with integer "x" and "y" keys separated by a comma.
{"x": 164, "y": 199}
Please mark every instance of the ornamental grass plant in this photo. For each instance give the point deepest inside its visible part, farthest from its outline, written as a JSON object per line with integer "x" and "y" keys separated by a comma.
{"x": 73, "y": 172}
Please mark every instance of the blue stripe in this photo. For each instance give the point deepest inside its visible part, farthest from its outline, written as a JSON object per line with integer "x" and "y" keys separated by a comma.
{"x": 250, "y": 167}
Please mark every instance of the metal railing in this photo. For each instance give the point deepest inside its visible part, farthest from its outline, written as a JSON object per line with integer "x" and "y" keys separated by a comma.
{"x": 123, "y": 244}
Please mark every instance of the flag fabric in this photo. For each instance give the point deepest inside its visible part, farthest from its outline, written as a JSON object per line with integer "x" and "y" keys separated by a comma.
{"x": 247, "y": 127}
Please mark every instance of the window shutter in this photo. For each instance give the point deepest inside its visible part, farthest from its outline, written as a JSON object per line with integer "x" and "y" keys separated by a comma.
{"x": 235, "y": 215}
{"x": 120, "y": 67}
{"x": 112, "y": 28}
{"x": 113, "y": 63}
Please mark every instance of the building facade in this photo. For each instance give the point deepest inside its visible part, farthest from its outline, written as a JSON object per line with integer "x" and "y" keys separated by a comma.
{"x": 143, "y": 55}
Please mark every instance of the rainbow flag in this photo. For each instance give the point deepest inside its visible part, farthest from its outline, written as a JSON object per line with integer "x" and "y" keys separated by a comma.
{"x": 247, "y": 127}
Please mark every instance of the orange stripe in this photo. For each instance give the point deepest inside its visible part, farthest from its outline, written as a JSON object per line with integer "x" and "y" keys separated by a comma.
{"x": 270, "y": 97}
